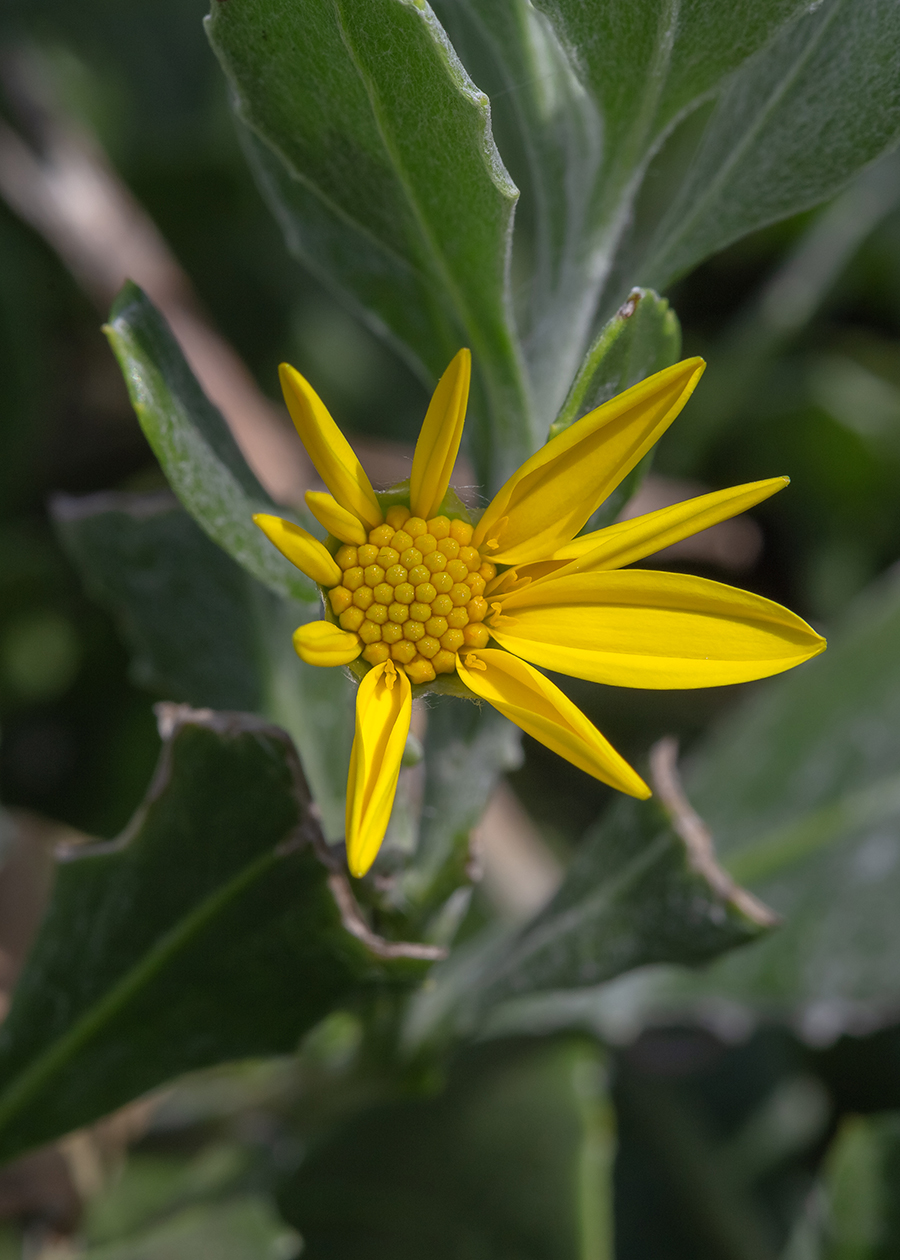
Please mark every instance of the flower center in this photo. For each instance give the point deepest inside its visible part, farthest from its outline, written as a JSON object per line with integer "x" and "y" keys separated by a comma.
{"x": 414, "y": 593}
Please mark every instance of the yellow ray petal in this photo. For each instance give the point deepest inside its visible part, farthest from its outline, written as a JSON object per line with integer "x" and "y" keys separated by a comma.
{"x": 337, "y": 520}
{"x": 548, "y": 500}
{"x": 383, "y": 709}
{"x": 628, "y": 541}
{"x": 638, "y": 628}
{"x": 438, "y": 442}
{"x": 321, "y": 643}
{"x": 328, "y": 449}
{"x": 306, "y": 552}
{"x": 536, "y": 705}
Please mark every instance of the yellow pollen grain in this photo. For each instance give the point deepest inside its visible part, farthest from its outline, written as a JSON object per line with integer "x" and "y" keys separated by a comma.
{"x": 376, "y": 653}
{"x": 363, "y": 597}
{"x": 397, "y": 515}
{"x": 415, "y": 526}
{"x": 391, "y": 632}
{"x": 404, "y": 651}
{"x": 439, "y": 527}
{"x": 367, "y": 554}
{"x": 405, "y": 593}
{"x": 369, "y": 632}
{"x": 339, "y": 598}
{"x": 381, "y": 535}
{"x": 398, "y": 613}
{"x": 435, "y": 561}
{"x": 353, "y": 578}
{"x": 384, "y": 593}
{"x": 347, "y": 557}
{"x": 352, "y": 619}
{"x": 420, "y": 671}
{"x": 401, "y": 540}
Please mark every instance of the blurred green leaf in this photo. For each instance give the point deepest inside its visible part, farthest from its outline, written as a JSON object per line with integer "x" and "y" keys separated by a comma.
{"x": 512, "y": 1159}
{"x": 206, "y": 932}
{"x": 789, "y": 128}
{"x": 193, "y": 444}
{"x": 637, "y": 892}
{"x": 863, "y": 1217}
{"x": 245, "y": 1227}
{"x": 643, "y": 337}
{"x": 201, "y": 630}
{"x": 801, "y": 787}
{"x": 374, "y": 148}
{"x": 182, "y": 603}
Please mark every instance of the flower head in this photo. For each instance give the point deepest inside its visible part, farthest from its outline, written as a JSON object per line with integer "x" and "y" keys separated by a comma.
{"x": 418, "y": 590}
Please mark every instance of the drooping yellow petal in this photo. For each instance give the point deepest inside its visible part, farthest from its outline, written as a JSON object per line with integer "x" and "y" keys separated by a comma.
{"x": 439, "y": 438}
{"x": 383, "y": 710}
{"x": 639, "y": 628}
{"x": 628, "y": 541}
{"x": 321, "y": 643}
{"x": 306, "y": 552}
{"x": 337, "y": 520}
{"x": 546, "y": 503}
{"x": 328, "y": 449}
{"x": 536, "y": 705}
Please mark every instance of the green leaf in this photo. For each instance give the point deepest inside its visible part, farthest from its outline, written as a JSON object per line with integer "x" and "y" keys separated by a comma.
{"x": 863, "y": 1221}
{"x": 202, "y": 631}
{"x": 374, "y": 149}
{"x": 190, "y": 439}
{"x": 801, "y": 788}
{"x": 245, "y": 1227}
{"x": 514, "y": 1158}
{"x": 643, "y": 337}
{"x": 206, "y": 932}
{"x": 644, "y": 888}
{"x": 181, "y": 602}
{"x": 709, "y": 121}
{"x": 789, "y": 130}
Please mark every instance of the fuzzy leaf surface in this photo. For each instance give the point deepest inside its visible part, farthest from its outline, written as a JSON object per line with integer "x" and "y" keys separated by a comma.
{"x": 192, "y": 442}
{"x": 207, "y": 932}
{"x": 374, "y": 149}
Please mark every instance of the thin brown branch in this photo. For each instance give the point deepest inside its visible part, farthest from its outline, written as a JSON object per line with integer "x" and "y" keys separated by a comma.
{"x": 696, "y": 835}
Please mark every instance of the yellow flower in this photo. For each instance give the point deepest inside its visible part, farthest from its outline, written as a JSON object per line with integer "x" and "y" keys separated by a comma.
{"x": 414, "y": 592}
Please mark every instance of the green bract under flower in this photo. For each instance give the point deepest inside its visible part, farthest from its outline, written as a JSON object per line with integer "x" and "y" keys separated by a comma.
{"x": 415, "y": 594}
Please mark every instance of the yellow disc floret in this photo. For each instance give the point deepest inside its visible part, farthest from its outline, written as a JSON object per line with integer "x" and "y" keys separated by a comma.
{"x": 413, "y": 593}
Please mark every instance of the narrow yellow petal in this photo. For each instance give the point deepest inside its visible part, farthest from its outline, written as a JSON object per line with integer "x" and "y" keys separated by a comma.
{"x": 638, "y": 628}
{"x": 628, "y": 541}
{"x": 536, "y": 705}
{"x": 306, "y": 552}
{"x": 546, "y": 503}
{"x": 383, "y": 710}
{"x": 321, "y": 643}
{"x": 337, "y": 520}
{"x": 439, "y": 439}
{"x": 328, "y": 449}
